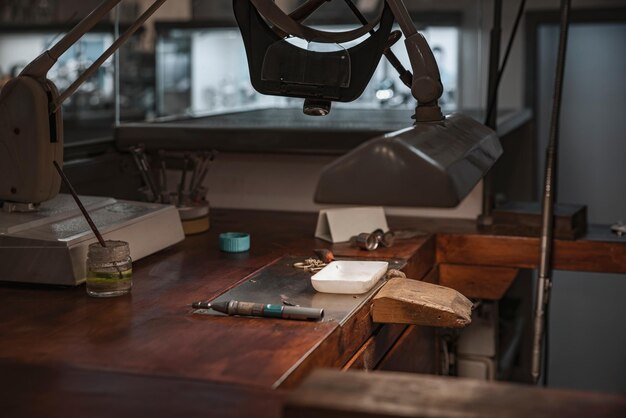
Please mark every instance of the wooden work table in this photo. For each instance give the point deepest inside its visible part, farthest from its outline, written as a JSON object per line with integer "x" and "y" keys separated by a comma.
{"x": 60, "y": 347}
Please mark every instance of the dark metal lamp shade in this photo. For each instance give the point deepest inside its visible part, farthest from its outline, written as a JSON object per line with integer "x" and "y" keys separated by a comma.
{"x": 433, "y": 164}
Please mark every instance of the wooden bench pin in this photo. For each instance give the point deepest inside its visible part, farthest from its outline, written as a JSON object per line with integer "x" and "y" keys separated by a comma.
{"x": 407, "y": 301}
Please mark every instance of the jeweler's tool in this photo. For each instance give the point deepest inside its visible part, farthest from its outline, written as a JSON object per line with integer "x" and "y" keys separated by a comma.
{"x": 163, "y": 172}
{"x": 80, "y": 204}
{"x": 202, "y": 174}
{"x": 92, "y": 225}
{"x": 234, "y": 307}
{"x": 183, "y": 179}
{"x": 325, "y": 255}
{"x": 366, "y": 241}
{"x": 198, "y": 169}
{"x": 140, "y": 161}
{"x": 386, "y": 239}
{"x": 194, "y": 163}
{"x": 148, "y": 169}
{"x": 371, "y": 242}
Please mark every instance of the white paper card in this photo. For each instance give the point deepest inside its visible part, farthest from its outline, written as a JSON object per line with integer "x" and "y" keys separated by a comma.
{"x": 339, "y": 225}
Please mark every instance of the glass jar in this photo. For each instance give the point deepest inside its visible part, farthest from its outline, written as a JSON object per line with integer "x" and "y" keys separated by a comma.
{"x": 109, "y": 269}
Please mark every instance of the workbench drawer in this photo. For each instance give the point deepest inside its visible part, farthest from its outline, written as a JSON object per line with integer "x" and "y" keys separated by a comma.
{"x": 397, "y": 347}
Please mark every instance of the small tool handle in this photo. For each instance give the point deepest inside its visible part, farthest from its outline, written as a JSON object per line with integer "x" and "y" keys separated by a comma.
{"x": 297, "y": 312}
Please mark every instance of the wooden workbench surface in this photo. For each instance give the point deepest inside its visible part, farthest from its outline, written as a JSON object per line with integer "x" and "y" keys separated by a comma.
{"x": 153, "y": 334}
{"x": 153, "y": 331}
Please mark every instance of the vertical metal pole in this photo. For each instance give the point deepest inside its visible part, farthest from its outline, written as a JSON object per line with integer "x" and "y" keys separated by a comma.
{"x": 549, "y": 192}
{"x": 492, "y": 99}
{"x": 494, "y": 63}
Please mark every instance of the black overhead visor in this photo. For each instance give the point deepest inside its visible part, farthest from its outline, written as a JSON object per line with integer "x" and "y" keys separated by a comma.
{"x": 323, "y": 71}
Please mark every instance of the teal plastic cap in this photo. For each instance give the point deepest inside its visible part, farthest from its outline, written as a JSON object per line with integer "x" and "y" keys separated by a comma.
{"x": 234, "y": 242}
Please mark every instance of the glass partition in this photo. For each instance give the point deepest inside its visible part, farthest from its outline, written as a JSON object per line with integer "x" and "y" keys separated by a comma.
{"x": 91, "y": 106}
{"x": 203, "y": 69}
{"x": 89, "y": 113}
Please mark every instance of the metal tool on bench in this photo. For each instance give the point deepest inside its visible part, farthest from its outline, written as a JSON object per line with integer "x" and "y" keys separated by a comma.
{"x": 267, "y": 310}
{"x": 371, "y": 241}
{"x": 189, "y": 197}
{"x": 187, "y": 191}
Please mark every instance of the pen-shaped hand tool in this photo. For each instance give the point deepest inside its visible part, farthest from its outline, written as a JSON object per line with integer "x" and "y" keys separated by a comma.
{"x": 142, "y": 164}
{"x": 90, "y": 222}
{"x": 183, "y": 180}
{"x": 202, "y": 174}
{"x": 234, "y": 307}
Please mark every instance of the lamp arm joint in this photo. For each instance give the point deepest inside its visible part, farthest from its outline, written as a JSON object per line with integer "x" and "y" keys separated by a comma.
{"x": 426, "y": 86}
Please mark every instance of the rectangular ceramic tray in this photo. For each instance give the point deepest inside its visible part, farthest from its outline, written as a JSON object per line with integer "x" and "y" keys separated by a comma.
{"x": 349, "y": 277}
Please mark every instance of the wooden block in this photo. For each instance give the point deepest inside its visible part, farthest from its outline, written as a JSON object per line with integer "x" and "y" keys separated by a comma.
{"x": 406, "y": 301}
{"x": 354, "y": 394}
{"x": 524, "y": 218}
{"x": 479, "y": 282}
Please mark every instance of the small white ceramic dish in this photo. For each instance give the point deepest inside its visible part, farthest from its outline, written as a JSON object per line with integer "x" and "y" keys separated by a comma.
{"x": 349, "y": 277}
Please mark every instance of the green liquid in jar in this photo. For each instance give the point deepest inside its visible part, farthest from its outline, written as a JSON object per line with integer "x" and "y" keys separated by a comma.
{"x": 109, "y": 284}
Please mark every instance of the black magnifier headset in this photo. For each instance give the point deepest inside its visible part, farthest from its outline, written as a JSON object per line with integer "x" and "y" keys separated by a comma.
{"x": 322, "y": 73}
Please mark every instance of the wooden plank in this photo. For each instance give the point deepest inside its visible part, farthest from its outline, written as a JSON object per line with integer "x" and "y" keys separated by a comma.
{"x": 479, "y": 282}
{"x": 523, "y": 252}
{"x": 406, "y": 301}
{"x": 329, "y": 394}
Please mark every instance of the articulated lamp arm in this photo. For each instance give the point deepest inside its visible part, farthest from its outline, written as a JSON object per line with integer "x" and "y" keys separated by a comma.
{"x": 31, "y": 126}
{"x": 40, "y": 66}
{"x": 426, "y": 86}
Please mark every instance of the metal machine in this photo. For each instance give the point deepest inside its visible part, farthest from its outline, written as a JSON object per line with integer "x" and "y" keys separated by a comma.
{"x": 43, "y": 237}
